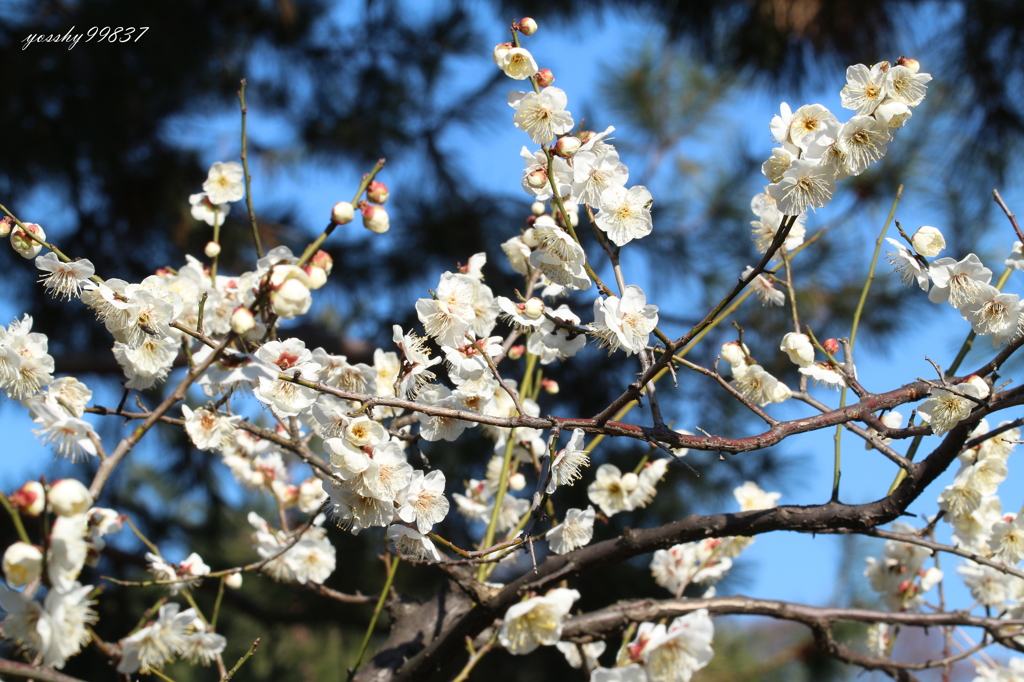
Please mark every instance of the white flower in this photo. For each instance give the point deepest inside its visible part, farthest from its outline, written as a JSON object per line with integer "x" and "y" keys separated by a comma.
{"x": 907, "y": 266}
{"x": 415, "y": 370}
{"x": 862, "y": 141}
{"x": 69, "y": 436}
{"x": 806, "y": 184}
{"x": 450, "y": 313}
{"x": 536, "y": 622}
{"x": 65, "y": 279}
{"x": 625, "y": 214}
{"x": 68, "y": 550}
{"x": 542, "y": 114}
{"x": 208, "y": 430}
{"x": 352, "y": 511}
{"x": 675, "y": 653}
{"x": 224, "y": 182}
{"x": 928, "y": 241}
{"x": 751, "y": 497}
{"x": 423, "y": 502}
{"x": 1015, "y": 261}
{"x": 824, "y": 374}
{"x": 608, "y": 492}
{"x": 626, "y": 322}
{"x": 203, "y": 209}
{"x": 865, "y": 87}
{"x": 760, "y": 387}
{"x": 904, "y": 85}
{"x": 592, "y": 651}
{"x": 536, "y": 174}
{"x": 799, "y": 349}
{"x": 993, "y": 312}
{"x": 765, "y": 290}
{"x": 574, "y": 532}
{"x": 68, "y": 497}
{"x": 25, "y": 245}
{"x": 411, "y": 542}
{"x": 157, "y": 643}
{"x": 806, "y": 121}
{"x": 769, "y": 221}
{"x": 957, "y": 282}
{"x": 1006, "y": 543}
{"x": 945, "y": 409}
{"x": 290, "y": 291}
{"x": 518, "y": 63}
{"x": 990, "y": 586}
{"x": 594, "y": 173}
{"x": 565, "y": 468}
{"x": 25, "y": 365}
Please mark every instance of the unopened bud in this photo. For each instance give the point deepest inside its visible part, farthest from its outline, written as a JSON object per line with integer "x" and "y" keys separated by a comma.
{"x": 317, "y": 277}
{"x": 500, "y": 50}
{"x": 517, "y": 481}
{"x": 377, "y": 192}
{"x": 544, "y": 78}
{"x": 530, "y": 239}
{"x": 630, "y": 481}
{"x": 375, "y": 218}
{"x": 68, "y": 497}
{"x": 25, "y": 245}
{"x": 23, "y": 563}
{"x": 550, "y": 386}
{"x": 538, "y": 178}
{"x": 29, "y": 499}
{"x": 831, "y": 346}
{"x": 527, "y": 26}
{"x": 533, "y": 308}
{"x": 910, "y": 63}
{"x": 928, "y": 241}
{"x": 980, "y": 384}
{"x": 5, "y": 227}
{"x": 538, "y": 208}
{"x": 516, "y": 352}
{"x": 212, "y": 249}
{"x": 233, "y": 581}
{"x": 323, "y": 260}
{"x": 342, "y": 213}
{"x": 242, "y": 321}
{"x": 567, "y": 146}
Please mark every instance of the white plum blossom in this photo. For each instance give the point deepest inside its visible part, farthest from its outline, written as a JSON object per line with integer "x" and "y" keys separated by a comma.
{"x": 674, "y": 653}
{"x": 627, "y": 322}
{"x": 157, "y": 643}
{"x": 625, "y": 214}
{"x": 450, "y": 313}
{"x": 542, "y": 115}
{"x": 536, "y": 622}
{"x": 906, "y": 264}
{"x": 65, "y": 280}
{"x": 574, "y": 532}
{"x": 205, "y": 210}
{"x": 423, "y": 501}
{"x": 945, "y": 409}
{"x": 565, "y": 467}
{"x": 993, "y": 312}
{"x": 594, "y": 173}
{"x": 903, "y": 85}
{"x": 413, "y": 543}
{"x": 958, "y": 282}
{"x": 518, "y": 63}
{"x": 208, "y": 430}
{"x": 805, "y": 184}
{"x": 862, "y": 141}
{"x": 928, "y": 241}
{"x": 763, "y": 287}
{"x": 760, "y": 387}
{"x": 865, "y": 87}
{"x": 610, "y": 491}
{"x": 224, "y": 183}
{"x": 799, "y": 349}
{"x": 751, "y": 497}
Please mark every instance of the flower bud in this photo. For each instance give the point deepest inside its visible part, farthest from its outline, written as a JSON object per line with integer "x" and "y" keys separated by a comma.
{"x": 68, "y": 497}
{"x": 567, "y": 146}
{"x": 530, "y": 239}
{"x": 533, "y": 308}
{"x": 630, "y": 481}
{"x": 538, "y": 178}
{"x": 799, "y": 349}
{"x": 831, "y": 346}
{"x": 550, "y": 386}
{"x": 23, "y": 563}
{"x": 291, "y": 298}
{"x": 377, "y": 192}
{"x": 500, "y": 50}
{"x": 928, "y": 241}
{"x": 5, "y": 227}
{"x": 733, "y": 354}
{"x": 538, "y": 208}
{"x": 544, "y": 78}
{"x": 911, "y": 64}
{"x": 517, "y": 481}
{"x": 573, "y": 211}
{"x": 233, "y": 581}
{"x": 242, "y": 321}
{"x": 29, "y": 499}
{"x": 317, "y": 277}
{"x": 342, "y": 213}
{"x": 516, "y": 352}
{"x": 323, "y": 260}
{"x": 23, "y": 244}
{"x": 980, "y": 384}
{"x": 527, "y": 26}
{"x": 375, "y": 218}
{"x": 212, "y": 249}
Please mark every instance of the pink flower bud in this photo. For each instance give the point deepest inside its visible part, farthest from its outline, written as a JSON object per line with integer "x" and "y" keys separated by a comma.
{"x": 537, "y": 178}
{"x": 831, "y": 346}
{"x": 242, "y": 321}
{"x": 212, "y": 249}
{"x": 29, "y": 499}
{"x": 516, "y": 352}
{"x": 567, "y": 146}
{"x": 317, "y": 277}
{"x": 377, "y": 192}
{"x": 69, "y": 497}
{"x": 909, "y": 62}
{"x": 544, "y": 78}
{"x": 375, "y": 218}
{"x": 321, "y": 259}
{"x": 5, "y": 227}
{"x": 342, "y": 213}
{"x": 550, "y": 386}
{"x": 233, "y": 581}
{"x": 527, "y": 26}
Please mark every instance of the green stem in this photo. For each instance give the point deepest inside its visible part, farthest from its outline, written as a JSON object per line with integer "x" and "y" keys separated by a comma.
{"x": 853, "y": 336}
{"x": 15, "y": 519}
{"x": 499, "y": 498}
{"x": 318, "y": 242}
{"x": 243, "y": 659}
{"x": 376, "y": 614}
{"x": 248, "y": 178}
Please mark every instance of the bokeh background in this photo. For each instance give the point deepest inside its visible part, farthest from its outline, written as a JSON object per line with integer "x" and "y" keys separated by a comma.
{"x": 103, "y": 144}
